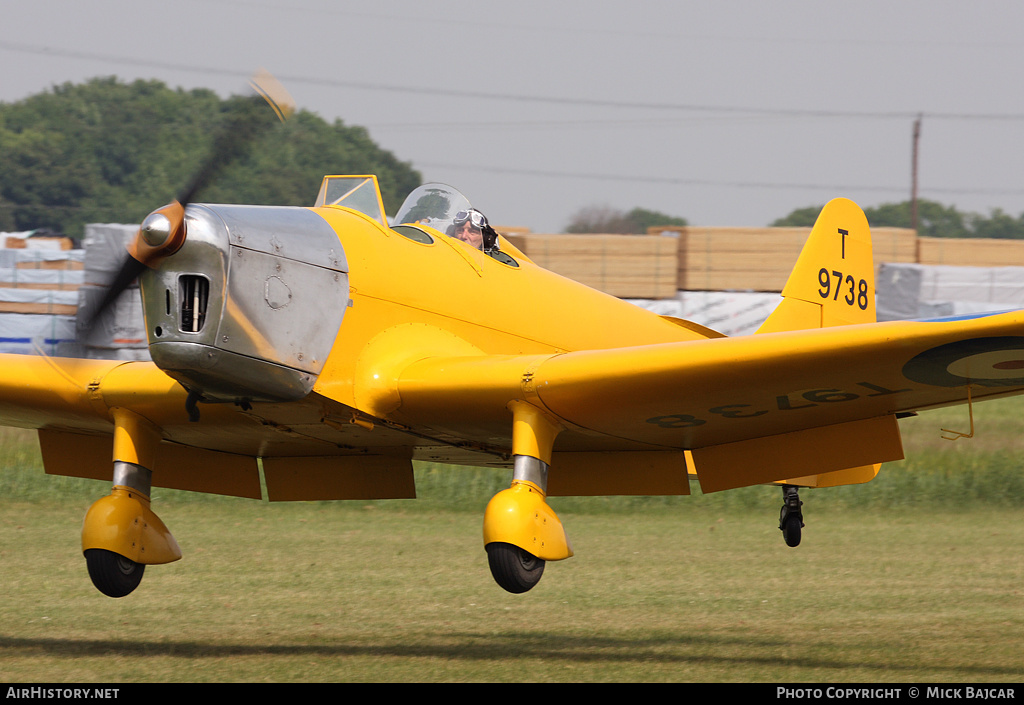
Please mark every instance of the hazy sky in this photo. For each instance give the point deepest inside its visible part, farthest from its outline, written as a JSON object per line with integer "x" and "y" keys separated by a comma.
{"x": 725, "y": 113}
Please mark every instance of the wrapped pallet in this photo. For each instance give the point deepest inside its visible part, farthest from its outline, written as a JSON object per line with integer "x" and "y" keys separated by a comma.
{"x": 38, "y": 301}
{"x": 728, "y": 312}
{"x": 51, "y": 279}
{"x": 39, "y": 280}
{"x": 44, "y": 259}
{"x": 120, "y": 327}
{"x": 35, "y": 334}
{"x": 912, "y": 291}
{"x": 36, "y": 240}
{"x": 119, "y": 332}
{"x": 39, "y": 334}
{"x": 106, "y": 245}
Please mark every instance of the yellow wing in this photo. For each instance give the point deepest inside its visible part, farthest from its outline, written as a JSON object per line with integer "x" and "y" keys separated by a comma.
{"x": 830, "y": 395}
{"x": 310, "y": 449}
{"x": 814, "y": 396}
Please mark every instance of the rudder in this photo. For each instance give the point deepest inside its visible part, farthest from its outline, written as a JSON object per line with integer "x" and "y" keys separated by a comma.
{"x": 833, "y": 281}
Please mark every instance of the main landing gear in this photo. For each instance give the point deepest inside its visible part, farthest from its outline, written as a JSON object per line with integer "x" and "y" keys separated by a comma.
{"x": 521, "y": 532}
{"x": 791, "y": 519}
{"x": 121, "y": 535}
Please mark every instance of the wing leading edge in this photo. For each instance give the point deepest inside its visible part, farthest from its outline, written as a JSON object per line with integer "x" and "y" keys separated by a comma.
{"x": 73, "y": 404}
{"x": 708, "y": 396}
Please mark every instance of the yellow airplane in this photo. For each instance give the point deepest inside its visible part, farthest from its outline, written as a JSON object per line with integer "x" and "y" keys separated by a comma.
{"x": 328, "y": 348}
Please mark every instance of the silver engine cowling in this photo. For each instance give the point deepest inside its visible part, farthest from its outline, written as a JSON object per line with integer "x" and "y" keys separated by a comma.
{"x": 250, "y": 306}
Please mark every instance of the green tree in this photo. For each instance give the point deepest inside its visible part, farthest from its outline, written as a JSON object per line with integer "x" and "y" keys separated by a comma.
{"x": 933, "y": 220}
{"x": 644, "y": 219}
{"x": 800, "y": 218}
{"x": 108, "y": 151}
{"x": 600, "y": 219}
{"x": 997, "y": 225}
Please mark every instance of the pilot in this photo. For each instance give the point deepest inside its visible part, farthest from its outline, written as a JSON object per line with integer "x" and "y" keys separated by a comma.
{"x": 471, "y": 227}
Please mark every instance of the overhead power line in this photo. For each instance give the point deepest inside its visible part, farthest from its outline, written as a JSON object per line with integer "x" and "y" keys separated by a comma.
{"x": 511, "y": 97}
{"x": 682, "y": 181}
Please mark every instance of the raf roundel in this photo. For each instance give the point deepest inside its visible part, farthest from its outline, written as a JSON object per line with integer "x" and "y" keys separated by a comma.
{"x": 989, "y": 362}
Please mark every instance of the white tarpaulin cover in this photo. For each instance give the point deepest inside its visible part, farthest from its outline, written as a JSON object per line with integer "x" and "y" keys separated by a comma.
{"x": 30, "y": 334}
{"x": 43, "y": 297}
{"x": 728, "y": 312}
{"x": 105, "y": 247}
{"x": 120, "y": 332}
{"x": 912, "y": 291}
{"x": 41, "y": 286}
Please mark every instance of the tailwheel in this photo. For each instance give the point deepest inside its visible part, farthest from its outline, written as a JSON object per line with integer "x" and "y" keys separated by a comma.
{"x": 791, "y": 530}
{"x": 513, "y": 568}
{"x": 791, "y": 518}
{"x": 111, "y": 573}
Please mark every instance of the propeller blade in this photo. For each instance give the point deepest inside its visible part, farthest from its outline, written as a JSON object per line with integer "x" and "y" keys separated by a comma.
{"x": 130, "y": 270}
{"x": 163, "y": 232}
{"x": 245, "y": 126}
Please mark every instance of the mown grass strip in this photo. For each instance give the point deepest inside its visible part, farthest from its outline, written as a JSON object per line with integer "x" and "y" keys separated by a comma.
{"x": 914, "y": 577}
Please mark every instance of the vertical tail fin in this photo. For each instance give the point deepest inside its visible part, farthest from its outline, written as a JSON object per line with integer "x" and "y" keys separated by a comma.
{"x": 833, "y": 282}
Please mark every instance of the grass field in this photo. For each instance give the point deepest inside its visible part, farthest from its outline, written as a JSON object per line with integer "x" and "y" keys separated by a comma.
{"x": 916, "y": 577}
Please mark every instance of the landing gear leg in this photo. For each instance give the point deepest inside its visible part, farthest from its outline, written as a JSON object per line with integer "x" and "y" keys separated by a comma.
{"x": 791, "y": 518}
{"x": 521, "y": 532}
{"x": 121, "y": 534}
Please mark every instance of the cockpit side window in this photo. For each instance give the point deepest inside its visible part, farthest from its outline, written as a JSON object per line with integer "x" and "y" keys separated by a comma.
{"x": 503, "y": 258}
{"x": 413, "y": 233}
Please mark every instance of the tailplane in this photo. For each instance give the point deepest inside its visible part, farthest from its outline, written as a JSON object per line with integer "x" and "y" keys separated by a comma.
{"x": 833, "y": 282}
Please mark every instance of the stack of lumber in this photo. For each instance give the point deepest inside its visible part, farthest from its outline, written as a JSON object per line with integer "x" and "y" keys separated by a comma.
{"x": 760, "y": 259}
{"x": 973, "y": 252}
{"x": 627, "y": 266}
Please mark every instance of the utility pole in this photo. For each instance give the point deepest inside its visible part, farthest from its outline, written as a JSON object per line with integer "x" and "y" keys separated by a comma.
{"x": 913, "y": 174}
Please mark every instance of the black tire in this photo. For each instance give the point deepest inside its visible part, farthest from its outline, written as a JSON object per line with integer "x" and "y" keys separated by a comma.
{"x": 791, "y": 530}
{"x": 111, "y": 573}
{"x": 514, "y": 569}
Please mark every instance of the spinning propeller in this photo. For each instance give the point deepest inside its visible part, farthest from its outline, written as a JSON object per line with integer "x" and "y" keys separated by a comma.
{"x": 162, "y": 233}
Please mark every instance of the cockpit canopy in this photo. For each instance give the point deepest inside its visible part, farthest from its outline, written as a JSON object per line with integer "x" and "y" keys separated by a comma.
{"x": 434, "y": 205}
{"x": 359, "y": 193}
